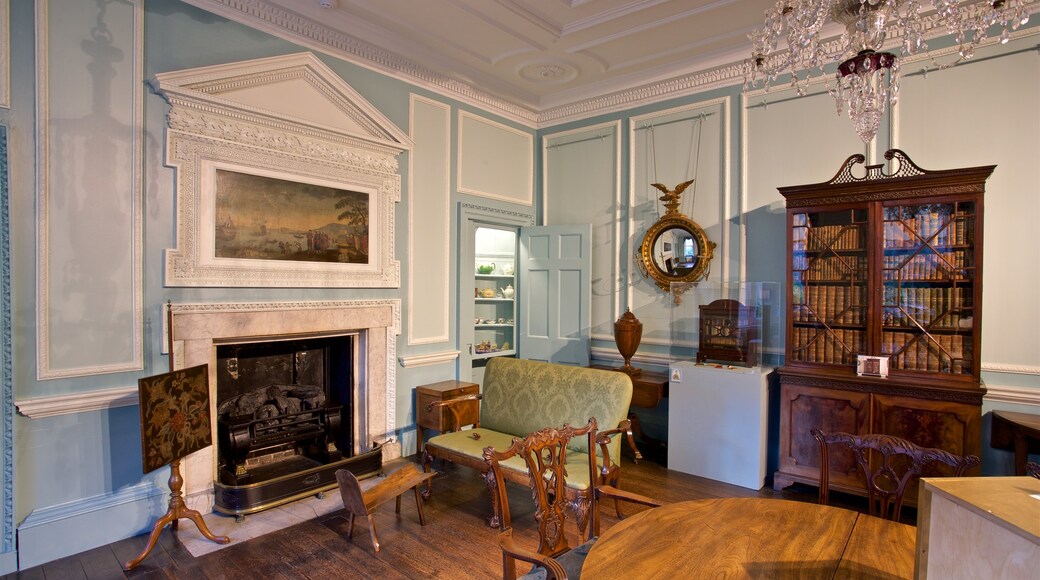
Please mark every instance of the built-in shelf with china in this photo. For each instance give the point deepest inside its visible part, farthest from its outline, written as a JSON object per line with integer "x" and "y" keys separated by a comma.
{"x": 494, "y": 293}
{"x": 885, "y": 266}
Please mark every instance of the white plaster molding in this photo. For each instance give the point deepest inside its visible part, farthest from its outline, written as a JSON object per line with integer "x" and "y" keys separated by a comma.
{"x": 208, "y": 129}
{"x": 5, "y": 54}
{"x": 1013, "y": 369}
{"x": 294, "y": 28}
{"x": 1013, "y": 395}
{"x": 44, "y": 370}
{"x": 527, "y": 193}
{"x": 723, "y": 245}
{"x": 601, "y": 353}
{"x": 68, "y": 404}
{"x": 433, "y": 358}
{"x": 198, "y": 326}
{"x": 442, "y": 248}
{"x": 595, "y": 131}
{"x": 926, "y": 62}
{"x": 633, "y": 98}
{"x": 724, "y": 70}
{"x": 212, "y": 88}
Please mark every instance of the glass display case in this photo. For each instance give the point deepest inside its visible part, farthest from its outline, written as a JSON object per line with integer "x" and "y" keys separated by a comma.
{"x": 494, "y": 293}
{"x": 734, "y": 325}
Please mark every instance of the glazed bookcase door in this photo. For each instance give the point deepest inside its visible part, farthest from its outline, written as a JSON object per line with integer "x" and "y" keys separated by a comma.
{"x": 928, "y": 296}
{"x": 829, "y": 273}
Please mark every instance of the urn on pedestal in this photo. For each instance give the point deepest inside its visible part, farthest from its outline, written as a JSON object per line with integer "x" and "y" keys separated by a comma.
{"x": 628, "y": 331}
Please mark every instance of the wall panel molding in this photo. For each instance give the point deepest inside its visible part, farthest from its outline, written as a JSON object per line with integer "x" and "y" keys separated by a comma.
{"x": 494, "y": 160}
{"x": 6, "y": 364}
{"x": 1012, "y": 395}
{"x": 88, "y": 523}
{"x": 5, "y": 54}
{"x": 74, "y": 253}
{"x": 1013, "y": 369}
{"x": 429, "y": 222}
{"x": 608, "y": 354}
{"x": 429, "y": 359}
{"x": 654, "y": 308}
{"x": 52, "y": 405}
{"x": 609, "y": 224}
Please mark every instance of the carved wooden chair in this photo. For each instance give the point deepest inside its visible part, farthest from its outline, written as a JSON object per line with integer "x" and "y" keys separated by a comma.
{"x": 1033, "y": 469}
{"x": 545, "y": 454}
{"x": 896, "y": 462}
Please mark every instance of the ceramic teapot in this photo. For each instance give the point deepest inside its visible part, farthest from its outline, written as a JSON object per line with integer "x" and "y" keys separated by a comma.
{"x": 508, "y": 291}
{"x": 487, "y": 293}
{"x": 486, "y": 268}
{"x": 507, "y": 269}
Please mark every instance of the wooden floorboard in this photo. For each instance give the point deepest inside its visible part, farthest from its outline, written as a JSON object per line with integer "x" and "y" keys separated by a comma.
{"x": 456, "y": 542}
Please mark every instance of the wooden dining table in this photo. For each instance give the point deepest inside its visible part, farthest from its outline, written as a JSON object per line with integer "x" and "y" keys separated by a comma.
{"x": 752, "y": 538}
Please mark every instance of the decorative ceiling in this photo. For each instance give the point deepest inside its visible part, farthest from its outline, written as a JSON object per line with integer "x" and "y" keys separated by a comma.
{"x": 539, "y": 62}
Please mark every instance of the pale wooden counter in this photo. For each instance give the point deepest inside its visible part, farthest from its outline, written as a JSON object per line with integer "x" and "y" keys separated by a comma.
{"x": 978, "y": 527}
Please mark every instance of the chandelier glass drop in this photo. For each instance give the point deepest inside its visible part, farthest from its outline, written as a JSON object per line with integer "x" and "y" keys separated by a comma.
{"x": 797, "y": 40}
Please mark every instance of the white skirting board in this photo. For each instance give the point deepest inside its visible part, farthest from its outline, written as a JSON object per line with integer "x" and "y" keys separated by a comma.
{"x": 718, "y": 422}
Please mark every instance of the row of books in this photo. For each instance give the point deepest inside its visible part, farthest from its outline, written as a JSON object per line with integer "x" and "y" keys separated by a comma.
{"x": 947, "y": 353}
{"x": 839, "y": 237}
{"x": 832, "y": 304}
{"x": 831, "y": 267}
{"x": 946, "y": 265}
{"x": 833, "y": 346}
{"x": 904, "y": 306}
{"x": 947, "y": 229}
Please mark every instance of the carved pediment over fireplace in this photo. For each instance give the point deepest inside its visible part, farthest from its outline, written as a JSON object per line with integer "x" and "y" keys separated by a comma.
{"x": 294, "y": 127}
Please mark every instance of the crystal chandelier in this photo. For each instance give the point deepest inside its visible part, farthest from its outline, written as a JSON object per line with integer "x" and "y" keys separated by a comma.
{"x": 868, "y": 75}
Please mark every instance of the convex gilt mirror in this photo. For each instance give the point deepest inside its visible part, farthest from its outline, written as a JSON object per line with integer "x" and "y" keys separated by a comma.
{"x": 675, "y": 248}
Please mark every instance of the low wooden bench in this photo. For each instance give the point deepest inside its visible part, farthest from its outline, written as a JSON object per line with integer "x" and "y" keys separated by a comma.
{"x": 393, "y": 486}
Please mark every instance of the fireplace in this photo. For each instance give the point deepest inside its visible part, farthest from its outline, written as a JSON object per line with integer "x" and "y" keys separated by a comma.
{"x": 297, "y": 390}
{"x": 281, "y": 408}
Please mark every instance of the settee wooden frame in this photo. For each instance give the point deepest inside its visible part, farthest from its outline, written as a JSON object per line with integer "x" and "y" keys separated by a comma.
{"x": 608, "y": 470}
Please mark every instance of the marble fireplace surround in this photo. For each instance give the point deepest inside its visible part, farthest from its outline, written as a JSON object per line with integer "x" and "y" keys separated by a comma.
{"x": 198, "y": 328}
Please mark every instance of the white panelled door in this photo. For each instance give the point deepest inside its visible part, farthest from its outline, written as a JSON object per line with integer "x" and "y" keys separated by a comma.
{"x": 556, "y": 293}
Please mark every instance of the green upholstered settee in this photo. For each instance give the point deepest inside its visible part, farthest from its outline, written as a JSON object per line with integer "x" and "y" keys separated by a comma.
{"x": 522, "y": 396}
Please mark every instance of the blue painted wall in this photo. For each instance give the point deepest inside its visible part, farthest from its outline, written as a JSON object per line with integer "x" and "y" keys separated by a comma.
{"x": 74, "y": 481}
{"x": 77, "y": 478}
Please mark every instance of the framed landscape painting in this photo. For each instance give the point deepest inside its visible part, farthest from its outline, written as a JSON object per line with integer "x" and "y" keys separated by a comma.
{"x": 268, "y": 227}
{"x": 266, "y": 218}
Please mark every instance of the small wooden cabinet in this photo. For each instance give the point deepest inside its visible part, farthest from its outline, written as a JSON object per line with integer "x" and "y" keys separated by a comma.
{"x": 441, "y": 419}
{"x": 886, "y": 265}
{"x": 728, "y": 333}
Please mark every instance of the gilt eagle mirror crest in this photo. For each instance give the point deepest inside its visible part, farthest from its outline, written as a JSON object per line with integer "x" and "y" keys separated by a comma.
{"x": 675, "y": 249}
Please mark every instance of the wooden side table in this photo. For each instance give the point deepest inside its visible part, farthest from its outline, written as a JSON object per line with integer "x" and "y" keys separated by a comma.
{"x": 1019, "y": 432}
{"x": 648, "y": 389}
{"x": 441, "y": 419}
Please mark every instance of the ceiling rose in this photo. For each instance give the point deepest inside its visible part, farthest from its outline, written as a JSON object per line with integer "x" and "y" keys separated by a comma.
{"x": 547, "y": 71}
